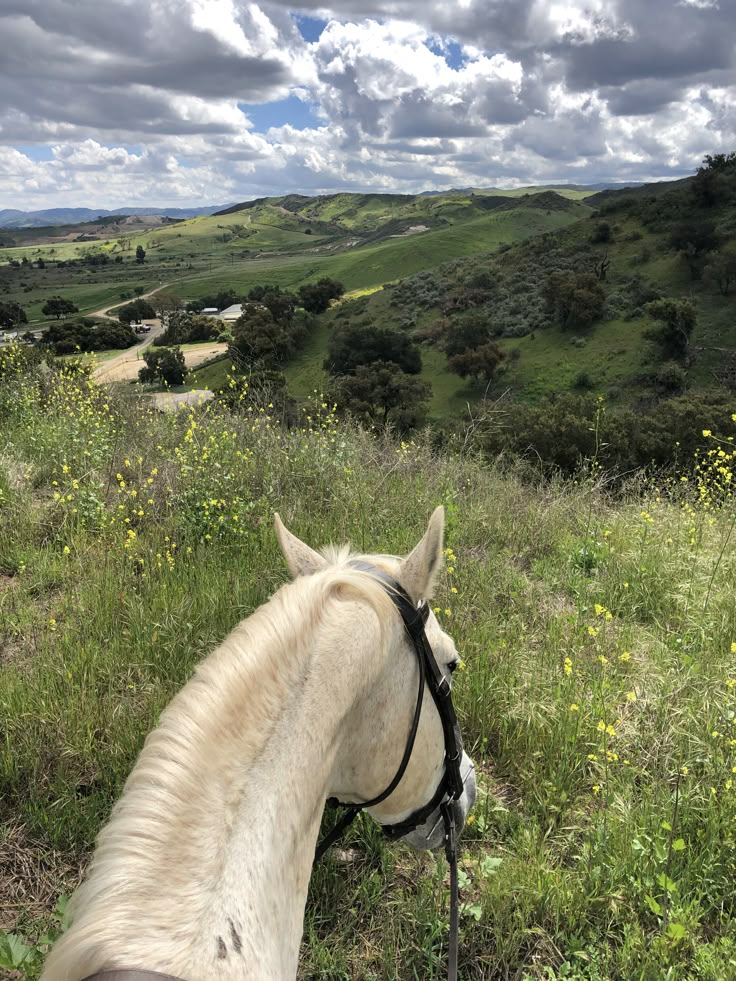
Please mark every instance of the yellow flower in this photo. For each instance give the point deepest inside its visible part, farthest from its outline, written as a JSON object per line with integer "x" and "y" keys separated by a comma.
{"x": 707, "y": 432}
{"x": 599, "y": 610}
{"x": 733, "y": 647}
{"x": 593, "y": 631}
{"x": 601, "y": 727}
{"x": 567, "y": 668}
{"x": 448, "y": 612}
{"x": 625, "y": 656}
{"x": 630, "y": 696}
{"x": 602, "y": 659}
{"x": 574, "y": 707}
{"x": 453, "y": 589}
{"x": 684, "y": 771}
{"x": 67, "y": 550}
{"x": 596, "y": 788}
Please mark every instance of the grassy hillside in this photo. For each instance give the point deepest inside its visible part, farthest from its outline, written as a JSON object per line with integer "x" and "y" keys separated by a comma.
{"x": 353, "y": 240}
{"x": 598, "y": 697}
{"x": 612, "y": 356}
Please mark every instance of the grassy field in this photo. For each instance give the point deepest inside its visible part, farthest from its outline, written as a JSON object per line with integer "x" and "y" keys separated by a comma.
{"x": 599, "y": 696}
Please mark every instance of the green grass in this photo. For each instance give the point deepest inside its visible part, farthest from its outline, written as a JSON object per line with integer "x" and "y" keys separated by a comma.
{"x": 598, "y": 699}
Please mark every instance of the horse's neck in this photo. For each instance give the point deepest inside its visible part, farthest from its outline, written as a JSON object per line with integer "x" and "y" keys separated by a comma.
{"x": 214, "y": 885}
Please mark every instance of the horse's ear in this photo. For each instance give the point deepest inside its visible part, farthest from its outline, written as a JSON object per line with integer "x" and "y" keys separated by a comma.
{"x": 300, "y": 558}
{"x": 420, "y": 567}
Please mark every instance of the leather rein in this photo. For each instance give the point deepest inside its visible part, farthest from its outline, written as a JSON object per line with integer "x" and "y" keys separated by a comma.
{"x": 450, "y": 787}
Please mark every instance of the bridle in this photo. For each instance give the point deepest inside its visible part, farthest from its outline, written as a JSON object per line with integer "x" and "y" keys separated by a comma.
{"x": 450, "y": 787}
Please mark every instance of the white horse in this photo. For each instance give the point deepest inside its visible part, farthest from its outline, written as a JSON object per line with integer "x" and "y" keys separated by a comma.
{"x": 203, "y": 868}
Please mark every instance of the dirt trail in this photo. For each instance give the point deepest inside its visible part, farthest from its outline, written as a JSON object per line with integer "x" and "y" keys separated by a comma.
{"x": 128, "y": 363}
{"x": 125, "y": 366}
{"x": 105, "y": 311}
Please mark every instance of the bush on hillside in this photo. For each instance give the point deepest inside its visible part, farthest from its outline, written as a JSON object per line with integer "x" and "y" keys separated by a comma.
{"x": 167, "y": 366}
{"x": 351, "y": 347}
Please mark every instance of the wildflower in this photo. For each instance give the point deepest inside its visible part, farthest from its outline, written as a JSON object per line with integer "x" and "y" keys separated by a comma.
{"x": 448, "y": 613}
{"x": 715, "y": 734}
{"x": 602, "y": 659}
{"x": 601, "y": 727}
{"x": 574, "y": 707}
{"x": 596, "y": 788}
{"x": 707, "y": 432}
{"x": 592, "y": 757}
{"x": 67, "y": 550}
{"x": 684, "y": 771}
{"x": 453, "y": 589}
{"x": 625, "y": 656}
{"x": 733, "y": 647}
{"x": 593, "y": 631}
{"x": 567, "y": 668}
{"x": 599, "y": 610}
{"x": 52, "y": 623}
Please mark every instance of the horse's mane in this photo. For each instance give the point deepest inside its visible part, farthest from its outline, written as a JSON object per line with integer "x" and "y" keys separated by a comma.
{"x": 160, "y": 834}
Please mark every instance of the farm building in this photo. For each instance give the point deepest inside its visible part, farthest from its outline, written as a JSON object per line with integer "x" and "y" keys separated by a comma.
{"x": 231, "y": 314}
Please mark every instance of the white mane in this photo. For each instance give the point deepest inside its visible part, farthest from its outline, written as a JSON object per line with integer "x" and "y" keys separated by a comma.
{"x": 162, "y": 839}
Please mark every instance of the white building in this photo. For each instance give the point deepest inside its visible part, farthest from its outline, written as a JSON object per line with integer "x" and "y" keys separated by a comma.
{"x": 231, "y": 314}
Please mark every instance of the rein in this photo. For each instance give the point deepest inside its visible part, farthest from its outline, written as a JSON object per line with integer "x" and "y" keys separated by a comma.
{"x": 450, "y": 787}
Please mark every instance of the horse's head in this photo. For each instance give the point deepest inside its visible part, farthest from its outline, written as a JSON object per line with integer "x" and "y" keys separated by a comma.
{"x": 400, "y": 726}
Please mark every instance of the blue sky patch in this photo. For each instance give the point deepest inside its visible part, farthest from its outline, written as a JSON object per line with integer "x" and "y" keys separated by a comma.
{"x": 292, "y": 111}
{"x": 449, "y": 50}
{"x": 310, "y": 28}
{"x": 35, "y": 152}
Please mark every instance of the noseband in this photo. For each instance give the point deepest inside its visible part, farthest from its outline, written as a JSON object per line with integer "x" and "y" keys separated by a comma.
{"x": 450, "y": 787}
{"x": 451, "y": 784}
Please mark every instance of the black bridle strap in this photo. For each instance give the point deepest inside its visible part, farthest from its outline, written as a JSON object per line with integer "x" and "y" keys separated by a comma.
{"x": 451, "y": 855}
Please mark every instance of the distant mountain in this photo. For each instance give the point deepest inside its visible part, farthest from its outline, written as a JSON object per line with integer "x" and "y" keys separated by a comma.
{"x": 10, "y": 218}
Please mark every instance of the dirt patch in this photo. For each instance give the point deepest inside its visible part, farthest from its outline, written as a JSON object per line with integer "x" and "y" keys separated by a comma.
{"x": 126, "y": 367}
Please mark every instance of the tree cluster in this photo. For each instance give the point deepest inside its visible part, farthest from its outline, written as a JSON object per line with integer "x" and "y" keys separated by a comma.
{"x": 166, "y": 365}
{"x": 316, "y": 297}
{"x": 375, "y": 371}
{"x": 135, "y": 311}
{"x": 86, "y": 334}
{"x": 58, "y": 306}
{"x": 12, "y": 314}
{"x": 268, "y": 330}
{"x": 188, "y": 328}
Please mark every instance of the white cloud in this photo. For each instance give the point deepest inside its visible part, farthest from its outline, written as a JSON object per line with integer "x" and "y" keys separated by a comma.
{"x": 140, "y": 99}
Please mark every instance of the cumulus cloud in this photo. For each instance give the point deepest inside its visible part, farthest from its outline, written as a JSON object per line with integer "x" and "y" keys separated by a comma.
{"x": 151, "y": 100}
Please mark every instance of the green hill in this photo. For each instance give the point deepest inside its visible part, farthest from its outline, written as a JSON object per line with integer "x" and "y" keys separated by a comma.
{"x": 633, "y": 233}
{"x": 363, "y": 240}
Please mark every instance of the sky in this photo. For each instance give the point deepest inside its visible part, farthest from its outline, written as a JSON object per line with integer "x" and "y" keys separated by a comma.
{"x": 105, "y": 103}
